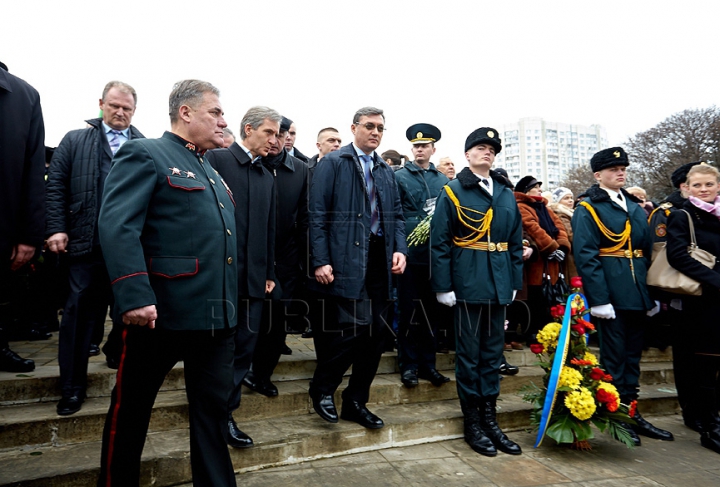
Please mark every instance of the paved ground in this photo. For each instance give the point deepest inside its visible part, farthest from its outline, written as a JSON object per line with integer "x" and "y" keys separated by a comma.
{"x": 682, "y": 463}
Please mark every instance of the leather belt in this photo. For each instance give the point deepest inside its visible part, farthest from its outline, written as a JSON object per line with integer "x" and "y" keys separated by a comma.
{"x": 489, "y": 246}
{"x": 637, "y": 253}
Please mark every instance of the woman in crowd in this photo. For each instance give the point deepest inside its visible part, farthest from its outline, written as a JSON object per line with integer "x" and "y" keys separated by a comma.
{"x": 700, "y": 313}
{"x": 564, "y": 206}
{"x": 551, "y": 240}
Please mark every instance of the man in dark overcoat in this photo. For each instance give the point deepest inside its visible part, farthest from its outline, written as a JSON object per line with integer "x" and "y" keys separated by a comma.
{"x": 167, "y": 232}
{"x": 76, "y": 179}
{"x": 612, "y": 250}
{"x": 357, "y": 241}
{"x": 476, "y": 249}
{"x": 290, "y": 193}
{"x": 419, "y": 184}
{"x": 252, "y": 187}
{"x": 22, "y": 194}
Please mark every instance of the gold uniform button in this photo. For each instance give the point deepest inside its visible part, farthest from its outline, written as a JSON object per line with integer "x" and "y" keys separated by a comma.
{"x": 212, "y": 180}
{"x": 229, "y": 232}
{"x": 222, "y": 206}
{"x": 229, "y": 261}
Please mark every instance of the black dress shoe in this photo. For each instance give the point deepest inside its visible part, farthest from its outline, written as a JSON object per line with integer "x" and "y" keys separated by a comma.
{"x": 236, "y": 438}
{"x": 70, "y": 405}
{"x": 266, "y": 388}
{"x": 643, "y": 427}
{"x": 324, "y": 406}
{"x": 508, "y": 369}
{"x": 112, "y": 363}
{"x": 12, "y": 362}
{"x": 693, "y": 423}
{"x": 307, "y": 334}
{"x": 358, "y": 413}
{"x": 435, "y": 377}
{"x": 409, "y": 378}
{"x": 286, "y": 350}
{"x": 94, "y": 350}
{"x": 633, "y": 436}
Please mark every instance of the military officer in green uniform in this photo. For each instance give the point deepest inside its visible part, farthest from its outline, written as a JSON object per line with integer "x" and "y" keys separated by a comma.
{"x": 419, "y": 184}
{"x": 476, "y": 248}
{"x": 167, "y": 231}
{"x": 612, "y": 253}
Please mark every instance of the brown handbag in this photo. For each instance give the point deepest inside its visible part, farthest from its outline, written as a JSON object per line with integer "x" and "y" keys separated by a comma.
{"x": 664, "y": 276}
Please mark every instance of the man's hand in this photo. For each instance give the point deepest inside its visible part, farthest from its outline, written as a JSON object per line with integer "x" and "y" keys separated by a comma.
{"x": 398, "y": 263}
{"x": 448, "y": 299}
{"x": 57, "y": 242}
{"x": 269, "y": 286}
{"x": 141, "y": 316}
{"x": 527, "y": 253}
{"x": 324, "y": 274}
{"x": 21, "y": 253}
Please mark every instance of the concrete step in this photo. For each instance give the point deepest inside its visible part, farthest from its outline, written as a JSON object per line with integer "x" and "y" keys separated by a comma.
{"x": 279, "y": 441}
{"x": 38, "y": 424}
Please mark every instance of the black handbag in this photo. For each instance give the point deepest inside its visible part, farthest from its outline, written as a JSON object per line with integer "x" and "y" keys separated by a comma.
{"x": 554, "y": 293}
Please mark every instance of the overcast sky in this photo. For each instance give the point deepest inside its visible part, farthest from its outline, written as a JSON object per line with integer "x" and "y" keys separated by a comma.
{"x": 459, "y": 65}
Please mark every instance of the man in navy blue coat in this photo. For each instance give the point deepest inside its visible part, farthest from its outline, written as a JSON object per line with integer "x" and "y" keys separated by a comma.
{"x": 357, "y": 241}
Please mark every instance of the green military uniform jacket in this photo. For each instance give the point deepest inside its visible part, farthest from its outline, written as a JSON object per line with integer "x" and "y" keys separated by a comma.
{"x": 477, "y": 276}
{"x": 611, "y": 280}
{"x": 167, "y": 231}
{"x": 416, "y": 186}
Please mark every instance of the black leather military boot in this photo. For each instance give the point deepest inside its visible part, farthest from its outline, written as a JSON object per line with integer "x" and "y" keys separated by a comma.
{"x": 474, "y": 435}
{"x": 488, "y": 422}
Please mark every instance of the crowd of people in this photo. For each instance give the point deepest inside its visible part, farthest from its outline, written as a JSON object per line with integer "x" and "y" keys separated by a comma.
{"x": 208, "y": 247}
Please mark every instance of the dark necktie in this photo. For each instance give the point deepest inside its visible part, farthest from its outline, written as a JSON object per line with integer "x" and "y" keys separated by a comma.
{"x": 370, "y": 185}
{"x": 115, "y": 141}
{"x": 485, "y": 182}
{"x": 620, "y": 196}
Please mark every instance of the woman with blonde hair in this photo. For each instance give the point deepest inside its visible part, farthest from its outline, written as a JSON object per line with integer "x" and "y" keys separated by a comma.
{"x": 700, "y": 313}
{"x": 563, "y": 204}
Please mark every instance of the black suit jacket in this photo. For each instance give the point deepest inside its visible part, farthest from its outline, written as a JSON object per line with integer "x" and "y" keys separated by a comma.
{"x": 22, "y": 165}
{"x": 253, "y": 190}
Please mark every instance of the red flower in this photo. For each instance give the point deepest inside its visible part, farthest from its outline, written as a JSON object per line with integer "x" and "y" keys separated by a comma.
{"x": 582, "y": 363}
{"x": 554, "y": 312}
{"x": 537, "y": 348}
{"x": 578, "y": 328}
{"x": 597, "y": 374}
{"x": 573, "y": 311}
{"x": 608, "y": 378}
{"x": 612, "y": 406}
{"x": 632, "y": 409}
{"x": 575, "y": 281}
{"x": 586, "y": 324}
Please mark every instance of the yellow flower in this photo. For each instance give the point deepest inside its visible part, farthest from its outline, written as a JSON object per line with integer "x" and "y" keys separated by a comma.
{"x": 581, "y": 403}
{"x": 570, "y": 377}
{"x": 591, "y": 358}
{"x": 548, "y": 336}
{"x": 612, "y": 390}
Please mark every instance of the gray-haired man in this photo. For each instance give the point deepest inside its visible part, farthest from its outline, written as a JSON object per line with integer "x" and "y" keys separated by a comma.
{"x": 252, "y": 188}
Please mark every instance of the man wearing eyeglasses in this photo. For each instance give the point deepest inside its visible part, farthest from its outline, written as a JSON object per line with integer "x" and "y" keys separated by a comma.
{"x": 357, "y": 241}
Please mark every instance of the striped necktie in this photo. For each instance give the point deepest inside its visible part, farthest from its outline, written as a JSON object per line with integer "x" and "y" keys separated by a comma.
{"x": 372, "y": 195}
{"x": 115, "y": 140}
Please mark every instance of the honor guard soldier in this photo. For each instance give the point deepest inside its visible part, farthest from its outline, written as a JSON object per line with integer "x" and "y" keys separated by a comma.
{"x": 685, "y": 377}
{"x": 612, "y": 253}
{"x": 476, "y": 250}
{"x": 419, "y": 184}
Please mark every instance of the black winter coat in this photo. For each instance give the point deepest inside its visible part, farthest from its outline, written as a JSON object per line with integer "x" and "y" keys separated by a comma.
{"x": 252, "y": 187}
{"x": 72, "y": 201}
{"x": 22, "y": 165}
{"x": 339, "y": 220}
{"x": 700, "y": 313}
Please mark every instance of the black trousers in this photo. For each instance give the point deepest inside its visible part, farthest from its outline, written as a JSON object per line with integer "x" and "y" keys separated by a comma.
{"x": 147, "y": 357}
{"x": 351, "y": 333}
{"x": 85, "y": 309}
{"x": 621, "y": 345}
{"x": 419, "y": 319}
{"x": 246, "y": 336}
{"x": 270, "y": 342}
{"x": 479, "y": 341}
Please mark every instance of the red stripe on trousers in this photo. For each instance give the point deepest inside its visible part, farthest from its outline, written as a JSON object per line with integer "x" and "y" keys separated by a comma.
{"x": 116, "y": 409}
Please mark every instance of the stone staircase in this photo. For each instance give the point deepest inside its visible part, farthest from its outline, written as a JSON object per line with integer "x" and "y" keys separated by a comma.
{"x": 40, "y": 448}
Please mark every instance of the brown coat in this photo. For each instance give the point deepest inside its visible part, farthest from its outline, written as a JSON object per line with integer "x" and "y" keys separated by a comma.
{"x": 565, "y": 215}
{"x": 546, "y": 245}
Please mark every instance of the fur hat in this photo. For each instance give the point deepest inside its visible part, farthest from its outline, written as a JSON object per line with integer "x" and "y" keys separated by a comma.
{"x": 484, "y": 135}
{"x": 614, "y": 156}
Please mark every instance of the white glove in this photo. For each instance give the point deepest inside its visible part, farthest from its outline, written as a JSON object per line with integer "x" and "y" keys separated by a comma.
{"x": 448, "y": 299}
{"x": 558, "y": 255}
{"x": 514, "y": 294}
{"x": 655, "y": 310}
{"x": 604, "y": 311}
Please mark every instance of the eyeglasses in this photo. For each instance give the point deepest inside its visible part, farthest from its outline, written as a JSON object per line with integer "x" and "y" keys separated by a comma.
{"x": 371, "y": 126}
